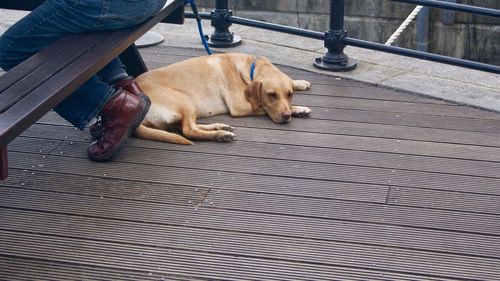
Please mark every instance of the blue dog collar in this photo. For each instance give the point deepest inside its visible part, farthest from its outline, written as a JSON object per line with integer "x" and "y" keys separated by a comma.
{"x": 252, "y": 69}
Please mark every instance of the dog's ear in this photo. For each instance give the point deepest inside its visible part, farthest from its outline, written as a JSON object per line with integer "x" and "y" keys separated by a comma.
{"x": 252, "y": 93}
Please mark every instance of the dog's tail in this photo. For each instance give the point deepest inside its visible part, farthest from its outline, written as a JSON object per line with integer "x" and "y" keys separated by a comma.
{"x": 147, "y": 133}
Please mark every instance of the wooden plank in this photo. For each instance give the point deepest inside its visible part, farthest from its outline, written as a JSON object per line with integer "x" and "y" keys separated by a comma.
{"x": 305, "y": 173}
{"x": 219, "y": 242}
{"x": 226, "y": 205}
{"x": 266, "y": 244}
{"x": 66, "y": 132}
{"x": 351, "y": 211}
{"x": 263, "y": 152}
{"x": 204, "y": 264}
{"x": 406, "y": 119}
{"x": 103, "y": 186}
{"x": 363, "y": 143}
{"x": 445, "y": 200}
{"x": 365, "y": 130}
{"x": 396, "y": 106}
{"x": 367, "y": 93}
{"x": 22, "y": 269}
{"x": 401, "y": 148}
{"x": 335, "y": 156}
{"x": 165, "y": 220}
{"x": 208, "y": 178}
{"x": 34, "y": 145}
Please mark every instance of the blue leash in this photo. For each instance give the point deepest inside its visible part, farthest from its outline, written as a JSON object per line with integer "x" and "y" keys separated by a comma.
{"x": 204, "y": 40}
{"x": 200, "y": 28}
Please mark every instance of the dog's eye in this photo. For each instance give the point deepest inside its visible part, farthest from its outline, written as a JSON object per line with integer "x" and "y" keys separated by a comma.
{"x": 272, "y": 96}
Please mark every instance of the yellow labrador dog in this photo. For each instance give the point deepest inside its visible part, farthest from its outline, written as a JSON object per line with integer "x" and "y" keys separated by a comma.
{"x": 238, "y": 84}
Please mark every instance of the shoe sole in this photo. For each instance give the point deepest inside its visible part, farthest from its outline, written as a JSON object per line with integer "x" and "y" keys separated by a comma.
{"x": 135, "y": 124}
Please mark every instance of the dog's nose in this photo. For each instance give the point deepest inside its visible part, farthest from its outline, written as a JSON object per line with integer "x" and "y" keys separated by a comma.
{"x": 286, "y": 116}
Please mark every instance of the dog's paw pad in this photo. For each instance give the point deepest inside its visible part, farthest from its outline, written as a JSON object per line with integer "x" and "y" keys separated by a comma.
{"x": 225, "y": 136}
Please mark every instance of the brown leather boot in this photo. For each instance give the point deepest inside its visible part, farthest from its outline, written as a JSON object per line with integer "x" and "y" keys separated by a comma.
{"x": 128, "y": 85}
{"x": 122, "y": 114}
{"x": 132, "y": 87}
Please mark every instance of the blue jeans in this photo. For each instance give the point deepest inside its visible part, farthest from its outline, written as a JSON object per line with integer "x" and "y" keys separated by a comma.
{"x": 55, "y": 18}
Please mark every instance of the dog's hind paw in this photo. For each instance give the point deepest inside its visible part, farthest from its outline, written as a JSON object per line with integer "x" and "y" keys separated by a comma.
{"x": 225, "y": 136}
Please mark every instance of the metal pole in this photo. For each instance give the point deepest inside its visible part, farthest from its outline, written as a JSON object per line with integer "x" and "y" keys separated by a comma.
{"x": 220, "y": 18}
{"x": 449, "y": 15}
{"x": 335, "y": 59}
{"x": 455, "y": 7}
{"x": 423, "y": 30}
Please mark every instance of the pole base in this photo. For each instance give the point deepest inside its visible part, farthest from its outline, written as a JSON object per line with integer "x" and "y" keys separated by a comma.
{"x": 349, "y": 65}
{"x": 150, "y": 38}
{"x": 225, "y": 44}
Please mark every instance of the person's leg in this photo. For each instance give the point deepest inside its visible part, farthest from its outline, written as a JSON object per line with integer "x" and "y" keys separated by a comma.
{"x": 40, "y": 28}
{"x": 113, "y": 72}
{"x": 86, "y": 102}
{"x": 55, "y": 18}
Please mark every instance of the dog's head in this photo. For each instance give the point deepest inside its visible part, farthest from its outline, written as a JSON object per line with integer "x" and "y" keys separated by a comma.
{"x": 271, "y": 91}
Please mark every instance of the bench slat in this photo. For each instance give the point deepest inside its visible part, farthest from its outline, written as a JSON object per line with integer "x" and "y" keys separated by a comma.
{"x": 27, "y": 5}
{"x": 177, "y": 17}
{"x": 17, "y": 73}
{"x": 26, "y": 111}
{"x": 50, "y": 61}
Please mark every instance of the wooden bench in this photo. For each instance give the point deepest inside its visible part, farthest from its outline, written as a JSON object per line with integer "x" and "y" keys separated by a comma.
{"x": 31, "y": 89}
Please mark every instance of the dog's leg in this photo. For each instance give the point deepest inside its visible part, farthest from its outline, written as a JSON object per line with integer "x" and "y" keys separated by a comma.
{"x": 215, "y": 127}
{"x": 191, "y": 130}
{"x": 300, "y": 111}
{"x": 147, "y": 133}
{"x": 301, "y": 85}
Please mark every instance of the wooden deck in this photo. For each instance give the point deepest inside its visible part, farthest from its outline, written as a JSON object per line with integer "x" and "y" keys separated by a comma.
{"x": 376, "y": 185}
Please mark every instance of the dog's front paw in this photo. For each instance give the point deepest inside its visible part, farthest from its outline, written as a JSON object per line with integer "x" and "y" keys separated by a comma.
{"x": 301, "y": 85}
{"x": 225, "y": 136}
{"x": 301, "y": 111}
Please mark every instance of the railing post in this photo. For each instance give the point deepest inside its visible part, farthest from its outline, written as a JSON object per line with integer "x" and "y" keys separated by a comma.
{"x": 335, "y": 59}
{"x": 222, "y": 37}
{"x": 449, "y": 15}
{"x": 422, "y": 41}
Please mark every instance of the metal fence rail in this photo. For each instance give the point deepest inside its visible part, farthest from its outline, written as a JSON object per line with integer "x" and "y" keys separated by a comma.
{"x": 336, "y": 38}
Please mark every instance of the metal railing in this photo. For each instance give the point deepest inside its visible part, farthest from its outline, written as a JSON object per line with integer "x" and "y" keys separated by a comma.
{"x": 336, "y": 38}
